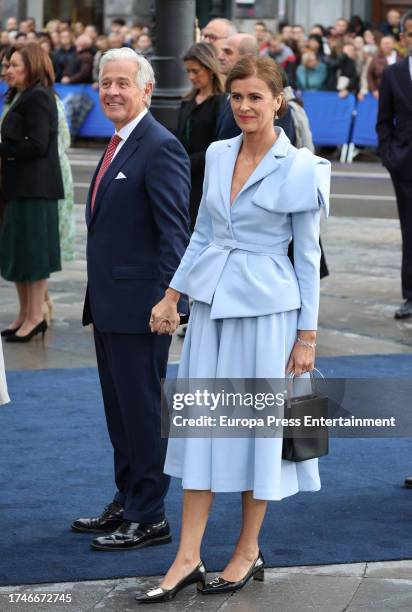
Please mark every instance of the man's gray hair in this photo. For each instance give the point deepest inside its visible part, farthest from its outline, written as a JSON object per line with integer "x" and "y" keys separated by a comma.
{"x": 406, "y": 17}
{"x": 144, "y": 73}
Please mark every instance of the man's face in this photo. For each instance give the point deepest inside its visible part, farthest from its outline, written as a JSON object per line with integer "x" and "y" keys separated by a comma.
{"x": 350, "y": 51}
{"x": 407, "y": 36}
{"x": 387, "y": 45}
{"x": 275, "y": 45}
{"x": 298, "y": 33}
{"x": 341, "y": 27}
{"x": 215, "y": 33}
{"x": 228, "y": 56}
{"x": 260, "y": 33}
{"x": 65, "y": 39}
{"x": 287, "y": 32}
{"x": 121, "y": 98}
{"x": 12, "y": 24}
{"x": 394, "y": 18}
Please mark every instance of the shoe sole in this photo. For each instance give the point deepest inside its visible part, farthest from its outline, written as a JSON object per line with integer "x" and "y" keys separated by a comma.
{"x": 156, "y": 542}
{"x": 85, "y": 530}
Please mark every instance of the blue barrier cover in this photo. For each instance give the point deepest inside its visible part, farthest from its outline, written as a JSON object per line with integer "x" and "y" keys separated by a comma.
{"x": 330, "y": 117}
{"x": 364, "y": 131}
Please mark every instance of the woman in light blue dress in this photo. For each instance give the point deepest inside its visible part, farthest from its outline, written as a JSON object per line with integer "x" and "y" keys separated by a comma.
{"x": 254, "y": 316}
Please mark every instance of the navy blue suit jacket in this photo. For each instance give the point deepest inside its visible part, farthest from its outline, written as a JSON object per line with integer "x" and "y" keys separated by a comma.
{"x": 138, "y": 230}
{"x": 394, "y": 124}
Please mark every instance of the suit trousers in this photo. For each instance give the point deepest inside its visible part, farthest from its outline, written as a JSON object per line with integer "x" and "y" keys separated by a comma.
{"x": 403, "y": 191}
{"x": 131, "y": 367}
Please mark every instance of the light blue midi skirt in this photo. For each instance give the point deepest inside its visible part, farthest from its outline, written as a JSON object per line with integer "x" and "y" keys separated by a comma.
{"x": 250, "y": 347}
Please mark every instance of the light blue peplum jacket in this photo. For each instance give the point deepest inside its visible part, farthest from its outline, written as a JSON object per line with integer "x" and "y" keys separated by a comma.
{"x": 237, "y": 257}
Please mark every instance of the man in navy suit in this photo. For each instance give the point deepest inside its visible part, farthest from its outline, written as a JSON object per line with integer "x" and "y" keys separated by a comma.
{"x": 138, "y": 229}
{"x": 394, "y": 127}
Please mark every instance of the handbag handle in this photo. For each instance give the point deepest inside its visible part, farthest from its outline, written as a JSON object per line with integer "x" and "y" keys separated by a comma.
{"x": 290, "y": 378}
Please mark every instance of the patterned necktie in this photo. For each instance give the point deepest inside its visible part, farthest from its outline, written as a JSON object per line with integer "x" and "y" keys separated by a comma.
{"x": 108, "y": 156}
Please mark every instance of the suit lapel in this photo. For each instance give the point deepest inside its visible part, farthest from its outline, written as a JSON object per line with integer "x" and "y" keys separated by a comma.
{"x": 130, "y": 146}
{"x": 406, "y": 79}
{"x": 227, "y": 161}
{"x": 266, "y": 166}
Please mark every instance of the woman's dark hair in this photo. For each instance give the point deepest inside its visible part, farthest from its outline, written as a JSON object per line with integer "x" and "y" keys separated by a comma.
{"x": 205, "y": 54}
{"x": 38, "y": 65}
{"x": 11, "y": 92}
{"x": 264, "y": 68}
{"x": 321, "y": 28}
{"x": 356, "y": 25}
{"x": 319, "y": 40}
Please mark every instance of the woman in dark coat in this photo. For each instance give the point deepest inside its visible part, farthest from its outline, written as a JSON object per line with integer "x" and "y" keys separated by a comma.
{"x": 32, "y": 184}
{"x": 199, "y": 113}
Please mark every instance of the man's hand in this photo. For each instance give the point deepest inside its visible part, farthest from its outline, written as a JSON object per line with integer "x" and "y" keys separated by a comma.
{"x": 65, "y": 80}
{"x": 164, "y": 318}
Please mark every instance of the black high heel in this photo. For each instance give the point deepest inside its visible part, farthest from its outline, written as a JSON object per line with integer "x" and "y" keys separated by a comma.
{"x": 41, "y": 328}
{"x": 220, "y": 585}
{"x": 6, "y": 333}
{"x": 156, "y": 595}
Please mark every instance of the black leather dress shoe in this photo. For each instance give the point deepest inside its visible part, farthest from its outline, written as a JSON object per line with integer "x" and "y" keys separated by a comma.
{"x": 220, "y": 585}
{"x": 156, "y": 595}
{"x": 134, "y": 535}
{"x": 110, "y": 519}
{"x": 408, "y": 482}
{"x": 405, "y": 310}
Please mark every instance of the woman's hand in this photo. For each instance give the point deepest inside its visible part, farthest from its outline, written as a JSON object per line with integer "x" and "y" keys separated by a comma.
{"x": 164, "y": 317}
{"x": 302, "y": 358}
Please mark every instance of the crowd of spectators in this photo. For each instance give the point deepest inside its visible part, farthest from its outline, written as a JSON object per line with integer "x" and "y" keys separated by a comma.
{"x": 347, "y": 57}
{"x": 76, "y": 48}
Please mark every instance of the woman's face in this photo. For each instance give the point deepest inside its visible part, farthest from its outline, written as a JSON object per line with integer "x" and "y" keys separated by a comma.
{"x": 368, "y": 37}
{"x": 16, "y": 72}
{"x": 199, "y": 76}
{"x": 4, "y": 67}
{"x": 311, "y": 61}
{"x": 253, "y": 105}
{"x": 314, "y": 45}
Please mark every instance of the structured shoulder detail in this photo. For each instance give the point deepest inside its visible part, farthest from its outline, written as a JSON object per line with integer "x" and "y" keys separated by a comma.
{"x": 302, "y": 184}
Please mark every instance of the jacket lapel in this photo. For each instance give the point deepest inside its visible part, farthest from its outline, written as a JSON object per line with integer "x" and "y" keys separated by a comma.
{"x": 266, "y": 166}
{"x": 406, "y": 79}
{"x": 227, "y": 161}
{"x": 130, "y": 146}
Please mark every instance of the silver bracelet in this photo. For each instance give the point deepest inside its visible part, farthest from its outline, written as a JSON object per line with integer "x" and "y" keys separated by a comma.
{"x": 304, "y": 343}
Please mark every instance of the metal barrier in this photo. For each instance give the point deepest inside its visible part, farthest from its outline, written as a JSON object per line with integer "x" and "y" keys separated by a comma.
{"x": 334, "y": 121}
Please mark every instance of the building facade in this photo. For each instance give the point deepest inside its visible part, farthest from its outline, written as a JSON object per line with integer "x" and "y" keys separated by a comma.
{"x": 244, "y": 12}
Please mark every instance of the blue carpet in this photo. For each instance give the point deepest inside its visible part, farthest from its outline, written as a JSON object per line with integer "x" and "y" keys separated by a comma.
{"x": 55, "y": 465}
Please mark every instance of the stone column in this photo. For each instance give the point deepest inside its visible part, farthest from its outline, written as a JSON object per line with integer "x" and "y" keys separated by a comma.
{"x": 174, "y": 33}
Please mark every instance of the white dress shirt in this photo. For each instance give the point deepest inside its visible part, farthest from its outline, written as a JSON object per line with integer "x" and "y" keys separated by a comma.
{"x": 127, "y": 129}
{"x": 410, "y": 65}
{"x": 391, "y": 59}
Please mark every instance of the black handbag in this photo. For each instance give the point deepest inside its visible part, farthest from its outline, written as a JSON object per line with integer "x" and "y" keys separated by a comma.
{"x": 297, "y": 447}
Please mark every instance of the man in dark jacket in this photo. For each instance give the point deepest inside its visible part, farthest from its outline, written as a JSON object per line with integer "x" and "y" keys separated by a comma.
{"x": 394, "y": 127}
{"x": 79, "y": 68}
{"x": 63, "y": 56}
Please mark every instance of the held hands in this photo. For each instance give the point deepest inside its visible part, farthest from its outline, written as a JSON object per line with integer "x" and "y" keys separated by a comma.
{"x": 302, "y": 357}
{"x": 164, "y": 318}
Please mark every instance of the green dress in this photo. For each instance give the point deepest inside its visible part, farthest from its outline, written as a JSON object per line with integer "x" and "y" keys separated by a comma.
{"x": 67, "y": 224}
{"x": 29, "y": 237}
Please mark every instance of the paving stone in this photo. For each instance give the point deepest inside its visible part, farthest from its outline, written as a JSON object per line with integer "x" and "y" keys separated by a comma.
{"x": 294, "y": 593}
{"x": 390, "y": 569}
{"x": 380, "y": 595}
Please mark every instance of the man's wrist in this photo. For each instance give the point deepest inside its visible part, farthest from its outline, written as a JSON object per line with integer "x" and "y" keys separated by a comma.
{"x": 172, "y": 294}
